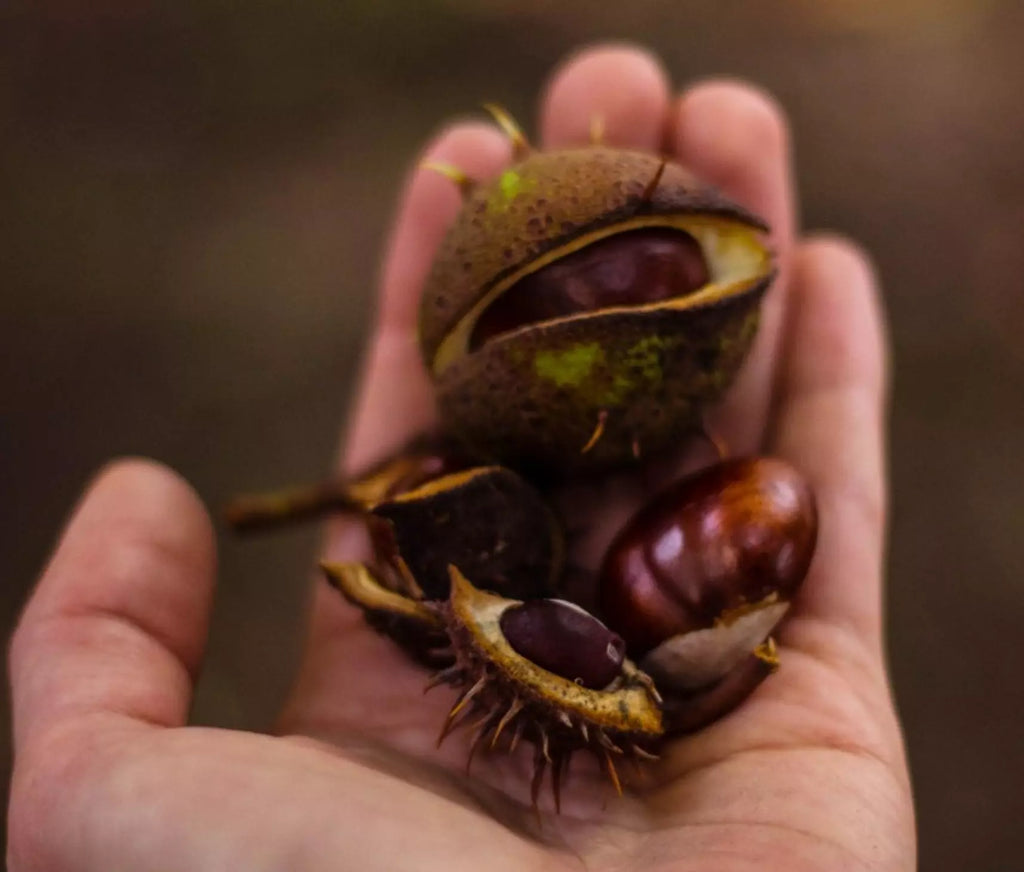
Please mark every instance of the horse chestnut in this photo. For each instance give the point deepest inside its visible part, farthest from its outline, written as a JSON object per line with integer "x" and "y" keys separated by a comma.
{"x": 582, "y": 311}
{"x": 564, "y": 639}
{"x": 629, "y": 269}
{"x": 589, "y": 290}
{"x": 708, "y": 567}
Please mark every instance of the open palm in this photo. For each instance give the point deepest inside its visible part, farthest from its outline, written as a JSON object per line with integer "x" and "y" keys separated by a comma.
{"x": 808, "y": 774}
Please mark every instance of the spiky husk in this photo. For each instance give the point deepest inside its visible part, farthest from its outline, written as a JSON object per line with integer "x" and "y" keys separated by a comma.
{"x": 507, "y": 699}
{"x": 638, "y": 376}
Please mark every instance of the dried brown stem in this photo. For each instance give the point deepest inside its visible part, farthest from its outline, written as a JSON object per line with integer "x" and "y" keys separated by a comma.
{"x": 252, "y": 512}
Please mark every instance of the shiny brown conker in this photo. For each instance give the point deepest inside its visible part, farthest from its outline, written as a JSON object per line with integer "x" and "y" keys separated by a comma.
{"x": 715, "y": 542}
{"x": 564, "y": 639}
{"x": 627, "y": 269}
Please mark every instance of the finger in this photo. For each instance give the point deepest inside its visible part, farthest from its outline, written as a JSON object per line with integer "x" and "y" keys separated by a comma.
{"x": 830, "y": 424}
{"x": 735, "y": 137}
{"x": 621, "y": 88}
{"x": 118, "y": 622}
{"x": 394, "y": 400}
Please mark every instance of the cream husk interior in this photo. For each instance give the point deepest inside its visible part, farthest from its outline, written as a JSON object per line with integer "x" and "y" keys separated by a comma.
{"x": 735, "y": 254}
{"x": 700, "y": 658}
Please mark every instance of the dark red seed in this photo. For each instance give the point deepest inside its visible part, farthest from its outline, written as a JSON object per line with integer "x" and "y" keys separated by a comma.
{"x": 564, "y": 639}
{"x": 726, "y": 536}
{"x": 627, "y": 269}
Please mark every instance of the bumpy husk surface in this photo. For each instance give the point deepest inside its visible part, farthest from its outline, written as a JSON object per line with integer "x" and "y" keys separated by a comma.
{"x": 534, "y": 400}
{"x": 638, "y": 377}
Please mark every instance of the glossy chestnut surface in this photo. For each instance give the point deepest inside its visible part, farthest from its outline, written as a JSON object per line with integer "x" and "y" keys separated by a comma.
{"x": 727, "y": 536}
{"x": 564, "y": 639}
{"x": 627, "y": 269}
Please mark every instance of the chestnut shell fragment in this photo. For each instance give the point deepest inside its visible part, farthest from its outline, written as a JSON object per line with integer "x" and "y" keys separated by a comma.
{"x": 488, "y": 521}
{"x": 503, "y": 693}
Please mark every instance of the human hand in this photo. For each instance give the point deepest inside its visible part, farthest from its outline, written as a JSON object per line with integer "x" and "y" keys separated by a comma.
{"x": 808, "y": 773}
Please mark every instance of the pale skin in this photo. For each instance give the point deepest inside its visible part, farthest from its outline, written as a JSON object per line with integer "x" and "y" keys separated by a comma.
{"x": 808, "y": 774}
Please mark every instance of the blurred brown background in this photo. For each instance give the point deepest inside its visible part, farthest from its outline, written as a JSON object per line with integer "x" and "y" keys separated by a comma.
{"x": 194, "y": 200}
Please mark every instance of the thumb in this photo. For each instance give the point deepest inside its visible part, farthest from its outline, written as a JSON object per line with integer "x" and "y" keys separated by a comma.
{"x": 118, "y": 621}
